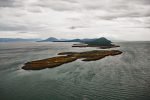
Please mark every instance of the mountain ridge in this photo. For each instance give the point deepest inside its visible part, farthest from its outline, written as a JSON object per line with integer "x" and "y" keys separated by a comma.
{"x": 50, "y": 39}
{"x": 17, "y": 39}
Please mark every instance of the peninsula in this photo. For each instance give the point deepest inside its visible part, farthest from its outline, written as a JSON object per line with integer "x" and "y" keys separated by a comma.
{"x": 66, "y": 57}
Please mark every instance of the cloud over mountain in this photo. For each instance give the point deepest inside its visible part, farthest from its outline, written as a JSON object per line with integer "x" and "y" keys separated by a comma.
{"x": 121, "y": 19}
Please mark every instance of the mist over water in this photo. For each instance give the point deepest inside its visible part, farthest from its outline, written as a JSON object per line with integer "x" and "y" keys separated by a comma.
{"x": 121, "y": 77}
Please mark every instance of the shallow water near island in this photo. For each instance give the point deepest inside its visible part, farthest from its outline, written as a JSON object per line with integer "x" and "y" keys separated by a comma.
{"x": 121, "y": 77}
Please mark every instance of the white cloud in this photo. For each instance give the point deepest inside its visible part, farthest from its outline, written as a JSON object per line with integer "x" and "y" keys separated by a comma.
{"x": 75, "y": 19}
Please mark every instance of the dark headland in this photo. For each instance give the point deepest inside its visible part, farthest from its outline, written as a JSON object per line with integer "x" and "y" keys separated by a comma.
{"x": 66, "y": 57}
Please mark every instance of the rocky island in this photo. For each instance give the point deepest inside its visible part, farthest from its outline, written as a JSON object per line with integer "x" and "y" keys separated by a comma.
{"x": 102, "y": 43}
{"x": 67, "y": 57}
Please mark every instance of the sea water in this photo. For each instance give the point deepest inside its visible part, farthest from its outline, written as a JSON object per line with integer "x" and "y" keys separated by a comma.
{"x": 121, "y": 77}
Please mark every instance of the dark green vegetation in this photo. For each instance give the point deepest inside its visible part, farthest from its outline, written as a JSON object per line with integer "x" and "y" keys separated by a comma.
{"x": 99, "y": 42}
{"x": 102, "y": 43}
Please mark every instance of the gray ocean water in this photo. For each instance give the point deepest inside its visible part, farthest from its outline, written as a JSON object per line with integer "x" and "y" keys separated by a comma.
{"x": 121, "y": 77}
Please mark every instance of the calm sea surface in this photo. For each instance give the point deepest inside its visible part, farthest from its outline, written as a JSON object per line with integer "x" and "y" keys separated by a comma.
{"x": 121, "y": 77}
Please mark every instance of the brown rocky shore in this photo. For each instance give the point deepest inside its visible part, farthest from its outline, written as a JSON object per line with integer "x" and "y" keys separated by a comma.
{"x": 66, "y": 57}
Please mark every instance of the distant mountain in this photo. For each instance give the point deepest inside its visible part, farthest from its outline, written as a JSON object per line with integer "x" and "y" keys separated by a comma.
{"x": 63, "y": 39}
{"x": 100, "y": 41}
{"x": 16, "y": 40}
{"x": 91, "y": 42}
{"x": 66, "y": 40}
{"x": 51, "y": 39}
{"x": 88, "y": 40}
{"x": 95, "y": 41}
{"x": 74, "y": 40}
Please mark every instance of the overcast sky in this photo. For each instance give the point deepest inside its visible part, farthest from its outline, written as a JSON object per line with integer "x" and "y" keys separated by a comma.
{"x": 117, "y": 19}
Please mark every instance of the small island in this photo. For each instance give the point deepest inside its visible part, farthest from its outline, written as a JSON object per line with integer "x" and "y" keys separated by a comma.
{"x": 67, "y": 57}
{"x": 102, "y": 43}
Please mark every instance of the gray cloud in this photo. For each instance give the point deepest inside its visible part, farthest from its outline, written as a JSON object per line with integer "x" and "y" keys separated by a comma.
{"x": 124, "y": 15}
{"x": 58, "y": 5}
{"x": 87, "y": 18}
{"x": 145, "y": 2}
{"x": 6, "y": 3}
{"x": 6, "y": 27}
{"x": 71, "y": 1}
{"x": 10, "y": 3}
